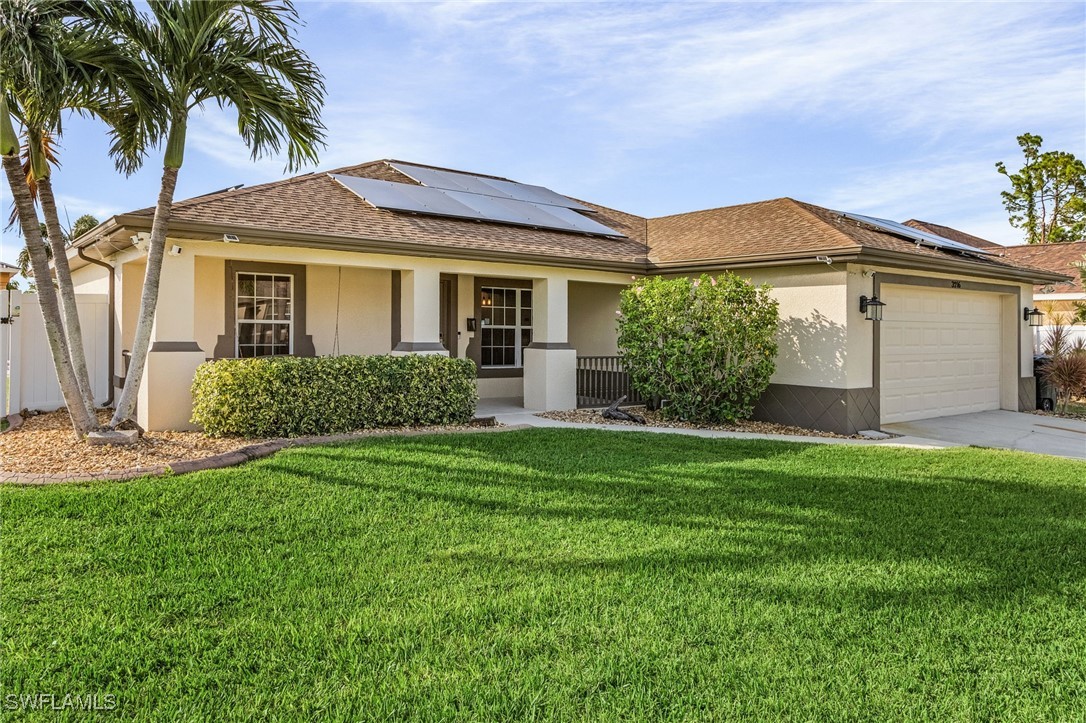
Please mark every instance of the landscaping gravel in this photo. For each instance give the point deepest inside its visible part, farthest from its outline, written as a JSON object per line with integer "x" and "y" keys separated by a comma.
{"x": 45, "y": 444}
{"x": 653, "y": 419}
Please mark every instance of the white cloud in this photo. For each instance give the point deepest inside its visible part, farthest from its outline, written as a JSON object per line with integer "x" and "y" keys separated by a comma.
{"x": 962, "y": 193}
{"x": 72, "y": 207}
{"x": 659, "y": 71}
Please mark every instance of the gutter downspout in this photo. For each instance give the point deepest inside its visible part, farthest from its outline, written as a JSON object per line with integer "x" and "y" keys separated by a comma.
{"x": 112, "y": 319}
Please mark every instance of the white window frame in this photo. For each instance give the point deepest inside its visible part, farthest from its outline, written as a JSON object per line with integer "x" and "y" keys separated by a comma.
{"x": 238, "y": 321}
{"x": 518, "y": 348}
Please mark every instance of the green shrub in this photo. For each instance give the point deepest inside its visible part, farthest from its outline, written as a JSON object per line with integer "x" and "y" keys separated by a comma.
{"x": 706, "y": 345}
{"x": 293, "y": 396}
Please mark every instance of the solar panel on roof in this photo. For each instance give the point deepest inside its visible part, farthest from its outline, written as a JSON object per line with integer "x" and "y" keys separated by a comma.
{"x": 405, "y": 197}
{"x": 923, "y": 237}
{"x": 470, "y": 183}
{"x": 475, "y": 206}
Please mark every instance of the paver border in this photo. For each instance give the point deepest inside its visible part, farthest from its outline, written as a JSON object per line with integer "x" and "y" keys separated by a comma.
{"x": 234, "y": 457}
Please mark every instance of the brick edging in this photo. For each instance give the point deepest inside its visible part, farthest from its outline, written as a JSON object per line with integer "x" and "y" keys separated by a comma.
{"x": 231, "y": 458}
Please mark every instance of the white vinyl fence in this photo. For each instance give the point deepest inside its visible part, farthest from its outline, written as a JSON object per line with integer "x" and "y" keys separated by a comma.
{"x": 26, "y": 366}
{"x": 1040, "y": 333}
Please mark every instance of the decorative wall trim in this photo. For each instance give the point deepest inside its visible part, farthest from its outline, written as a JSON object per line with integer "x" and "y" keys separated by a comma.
{"x": 549, "y": 345}
{"x": 226, "y": 344}
{"x": 842, "y": 411}
{"x": 397, "y": 312}
{"x": 158, "y": 346}
{"x": 410, "y": 346}
{"x": 1027, "y": 394}
{"x": 449, "y": 285}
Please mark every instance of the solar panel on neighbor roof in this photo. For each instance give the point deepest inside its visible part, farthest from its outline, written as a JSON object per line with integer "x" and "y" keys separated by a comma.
{"x": 917, "y": 235}
{"x": 462, "y": 204}
{"x": 453, "y": 181}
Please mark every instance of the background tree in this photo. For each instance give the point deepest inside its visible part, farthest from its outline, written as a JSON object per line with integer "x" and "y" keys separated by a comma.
{"x": 82, "y": 224}
{"x": 1048, "y": 194}
{"x": 238, "y": 53}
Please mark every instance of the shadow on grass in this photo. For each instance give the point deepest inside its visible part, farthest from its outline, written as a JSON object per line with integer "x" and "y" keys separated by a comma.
{"x": 892, "y": 524}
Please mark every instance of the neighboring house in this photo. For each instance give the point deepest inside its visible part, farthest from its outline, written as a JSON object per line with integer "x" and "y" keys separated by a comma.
{"x": 1056, "y": 299}
{"x": 7, "y": 273}
{"x": 437, "y": 261}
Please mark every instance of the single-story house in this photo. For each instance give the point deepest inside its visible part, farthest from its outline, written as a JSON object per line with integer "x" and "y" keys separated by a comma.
{"x": 401, "y": 258}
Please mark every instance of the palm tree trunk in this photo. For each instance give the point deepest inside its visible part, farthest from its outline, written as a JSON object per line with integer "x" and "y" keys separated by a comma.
{"x": 83, "y": 418}
{"x": 126, "y": 405}
{"x": 72, "y": 329}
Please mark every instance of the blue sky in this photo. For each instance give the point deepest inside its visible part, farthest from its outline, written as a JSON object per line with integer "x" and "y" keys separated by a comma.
{"x": 897, "y": 110}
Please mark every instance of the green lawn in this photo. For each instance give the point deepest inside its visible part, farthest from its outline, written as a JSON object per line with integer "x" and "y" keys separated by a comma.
{"x": 559, "y": 574}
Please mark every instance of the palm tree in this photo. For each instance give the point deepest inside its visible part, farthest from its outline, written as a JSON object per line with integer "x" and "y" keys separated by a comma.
{"x": 238, "y": 53}
{"x": 44, "y": 47}
{"x": 58, "y": 55}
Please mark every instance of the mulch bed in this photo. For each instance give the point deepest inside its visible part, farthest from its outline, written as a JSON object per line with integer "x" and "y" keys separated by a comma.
{"x": 653, "y": 419}
{"x": 1060, "y": 415}
{"x": 44, "y": 449}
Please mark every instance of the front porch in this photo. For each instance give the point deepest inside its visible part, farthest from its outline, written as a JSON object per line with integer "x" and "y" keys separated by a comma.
{"x": 523, "y": 326}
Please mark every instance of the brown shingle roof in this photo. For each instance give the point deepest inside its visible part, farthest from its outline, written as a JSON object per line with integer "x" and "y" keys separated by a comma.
{"x": 1060, "y": 258}
{"x": 316, "y": 204}
{"x": 954, "y": 234}
{"x": 780, "y": 225}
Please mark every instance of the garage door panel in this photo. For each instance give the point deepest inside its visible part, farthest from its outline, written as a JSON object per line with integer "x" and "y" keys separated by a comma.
{"x": 940, "y": 353}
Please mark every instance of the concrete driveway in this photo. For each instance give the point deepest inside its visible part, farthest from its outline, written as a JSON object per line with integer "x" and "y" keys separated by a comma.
{"x": 1007, "y": 430}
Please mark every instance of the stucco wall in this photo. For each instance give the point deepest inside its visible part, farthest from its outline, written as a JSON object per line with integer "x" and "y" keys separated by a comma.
{"x": 90, "y": 279}
{"x": 813, "y": 323}
{"x": 210, "y": 316}
{"x": 131, "y": 287}
{"x": 592, "y": 319}
{"x": 365, "y": 318}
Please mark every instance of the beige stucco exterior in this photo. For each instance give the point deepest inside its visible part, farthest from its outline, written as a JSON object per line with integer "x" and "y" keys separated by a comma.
{"x": 354, "y": 292}
{"x": 351, "y": 308}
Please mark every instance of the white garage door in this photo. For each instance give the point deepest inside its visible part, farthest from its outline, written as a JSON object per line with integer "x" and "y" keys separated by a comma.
{"x": 940, "y": 353}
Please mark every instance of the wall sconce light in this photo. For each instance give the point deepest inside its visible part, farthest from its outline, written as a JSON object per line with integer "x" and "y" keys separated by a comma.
{"x": 471, "y": 323}
{"x": 872, "y": 308}
{"x": 1034, "y": 316}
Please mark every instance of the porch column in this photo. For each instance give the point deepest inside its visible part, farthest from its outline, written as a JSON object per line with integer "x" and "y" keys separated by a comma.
{"x": 165, "y": 399}
{"x": 550, "y": 363}
{"x": 420, "y": 313}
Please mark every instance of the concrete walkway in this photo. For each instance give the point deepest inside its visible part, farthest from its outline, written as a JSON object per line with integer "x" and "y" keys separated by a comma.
{"x": 511, "y": 412}
{"x": 1006, "y": 430}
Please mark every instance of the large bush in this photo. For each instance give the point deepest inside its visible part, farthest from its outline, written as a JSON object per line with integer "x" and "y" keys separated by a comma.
{"x": 292, "y": 396}
{"x": 705, "y": 345}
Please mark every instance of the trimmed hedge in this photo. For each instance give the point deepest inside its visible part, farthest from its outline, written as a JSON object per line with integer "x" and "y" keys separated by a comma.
{"x": 295, "y": 396}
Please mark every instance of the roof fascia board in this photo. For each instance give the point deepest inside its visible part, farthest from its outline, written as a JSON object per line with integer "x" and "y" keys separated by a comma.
{"x": 210, "y": 232}
{"x": 261, "y": 237}
{"x": 844, "y": 254}
{"x": 952, "y": 265}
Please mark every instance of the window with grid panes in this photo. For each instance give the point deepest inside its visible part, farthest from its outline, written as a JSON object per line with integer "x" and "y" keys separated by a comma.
{"x": 506, "y": 326}
{"x": 264, "y": 325}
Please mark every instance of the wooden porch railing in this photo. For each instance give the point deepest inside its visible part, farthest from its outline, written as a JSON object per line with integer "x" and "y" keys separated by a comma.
{"x": 601, "y": 380}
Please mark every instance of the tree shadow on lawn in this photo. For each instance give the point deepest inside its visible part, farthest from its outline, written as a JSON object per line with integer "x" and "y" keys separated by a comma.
{"x": 889, "y": 526}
